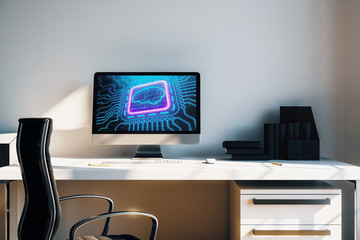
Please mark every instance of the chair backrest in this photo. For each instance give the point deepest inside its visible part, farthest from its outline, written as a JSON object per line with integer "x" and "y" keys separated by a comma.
{"x": 41, "y": 214}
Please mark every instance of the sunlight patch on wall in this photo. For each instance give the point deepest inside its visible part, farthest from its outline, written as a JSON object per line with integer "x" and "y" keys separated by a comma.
{"x": 73, "y": 111}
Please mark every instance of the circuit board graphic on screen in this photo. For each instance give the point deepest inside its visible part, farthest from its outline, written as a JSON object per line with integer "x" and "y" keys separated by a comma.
{"x": 146, "y": 103}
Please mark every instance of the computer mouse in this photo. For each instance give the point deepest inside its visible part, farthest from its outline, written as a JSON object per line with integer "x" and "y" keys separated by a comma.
{"x": 210, "y": 160}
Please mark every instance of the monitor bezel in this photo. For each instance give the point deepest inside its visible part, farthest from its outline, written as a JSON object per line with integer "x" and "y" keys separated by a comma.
{"x": 195, "y": 132}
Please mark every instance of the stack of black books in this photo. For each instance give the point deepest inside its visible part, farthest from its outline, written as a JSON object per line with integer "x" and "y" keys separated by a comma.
{"x": 295, "y": 137}
{"x": 245, "y": 150}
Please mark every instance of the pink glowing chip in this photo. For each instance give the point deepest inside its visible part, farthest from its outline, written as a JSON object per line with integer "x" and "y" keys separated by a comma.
{"x": 149, "y": 98}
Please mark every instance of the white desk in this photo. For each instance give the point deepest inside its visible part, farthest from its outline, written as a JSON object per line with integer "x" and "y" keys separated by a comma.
{"x": 78, "y": 169}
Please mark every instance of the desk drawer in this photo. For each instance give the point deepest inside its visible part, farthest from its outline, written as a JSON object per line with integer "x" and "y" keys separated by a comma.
{"x": 290, "y": 232}
{"x": 290, "y": 209}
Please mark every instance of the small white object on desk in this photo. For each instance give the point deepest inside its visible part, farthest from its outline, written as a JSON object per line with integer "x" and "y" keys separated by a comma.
{"x": 210, "y": 160}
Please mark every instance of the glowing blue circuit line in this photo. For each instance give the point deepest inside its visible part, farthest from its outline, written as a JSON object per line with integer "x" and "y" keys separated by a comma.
{"x": 187, "y": 85}
{"x": 103, "y": 96}
{"x": 187, "y": 82}
{"x": 102, "y": 120}
{"x": 152, "y": 114}
{"x": 108, "y": 92}
{"x": 102, "y": 115}
{"x": 103, "y": 101}
{"x": 162, "y": 126}
{"x": 189, "y": 95}
{"x": 107, "y": 96}
{"x": 112, "y": 101}
{"x": 112, "y": 85}
{"x": 119, "y": 125}
{"x": 117, "y": 119}
{"x": 189, "y": 103}
{"x": 168, "y": 125}
{"x": 180, "y": 129}
{"x": 190, "y": 117}
{"x": 190, "y": 129}
{"x": 183, "y": 79}
{"x": 99, "y": 110}
{"x": 99, "y": 122}
{"x": 107, "y": 126}
{"x": 190, "y": 91}
{"x": 187, "y": 88}
{"x": 190, "y": 99}
{"x": 164, "y": 112}
{"x": 107, "y": 111}
{"x": 105, "y": 107}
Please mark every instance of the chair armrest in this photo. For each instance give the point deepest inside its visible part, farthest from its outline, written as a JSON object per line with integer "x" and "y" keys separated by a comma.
{"x": 79, "y": 224}
{"x": 109, "y": 200}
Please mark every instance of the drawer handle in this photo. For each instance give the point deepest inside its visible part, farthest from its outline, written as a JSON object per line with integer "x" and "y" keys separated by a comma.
{"x": 292, "y": 232}
{"x": 325, "y": 201}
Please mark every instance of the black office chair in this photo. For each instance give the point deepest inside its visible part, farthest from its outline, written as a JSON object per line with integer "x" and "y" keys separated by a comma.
{"x": 41, "y": 214}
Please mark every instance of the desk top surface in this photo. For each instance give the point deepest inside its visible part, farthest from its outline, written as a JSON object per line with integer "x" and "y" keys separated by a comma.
{"x": 193, "y": 169}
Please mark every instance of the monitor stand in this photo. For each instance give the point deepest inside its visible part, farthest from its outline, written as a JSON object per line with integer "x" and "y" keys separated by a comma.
{"x": 148, "y": 152}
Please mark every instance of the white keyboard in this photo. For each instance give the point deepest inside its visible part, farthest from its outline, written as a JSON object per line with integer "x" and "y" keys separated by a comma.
{"x": 176, "y": 161}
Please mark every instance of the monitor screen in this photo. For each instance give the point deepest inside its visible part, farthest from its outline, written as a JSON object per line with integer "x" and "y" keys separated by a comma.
{"x": 145, "y": 105}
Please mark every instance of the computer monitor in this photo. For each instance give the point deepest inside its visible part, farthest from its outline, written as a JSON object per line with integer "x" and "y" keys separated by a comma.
{"x": 147, "y": 109}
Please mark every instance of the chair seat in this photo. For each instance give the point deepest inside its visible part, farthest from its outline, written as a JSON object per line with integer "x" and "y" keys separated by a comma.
{"x": 110, "y": 237}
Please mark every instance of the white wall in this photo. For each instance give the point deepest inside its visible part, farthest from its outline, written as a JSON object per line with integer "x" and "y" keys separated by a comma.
{"x": 351, "y": 108}
{"x": 349, "y": 135}
{"x": 253, "y": 56}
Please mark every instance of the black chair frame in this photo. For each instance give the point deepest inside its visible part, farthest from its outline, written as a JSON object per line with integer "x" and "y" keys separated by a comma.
{"x": 42, "y": 203}
{"x": 108, "y": 216}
